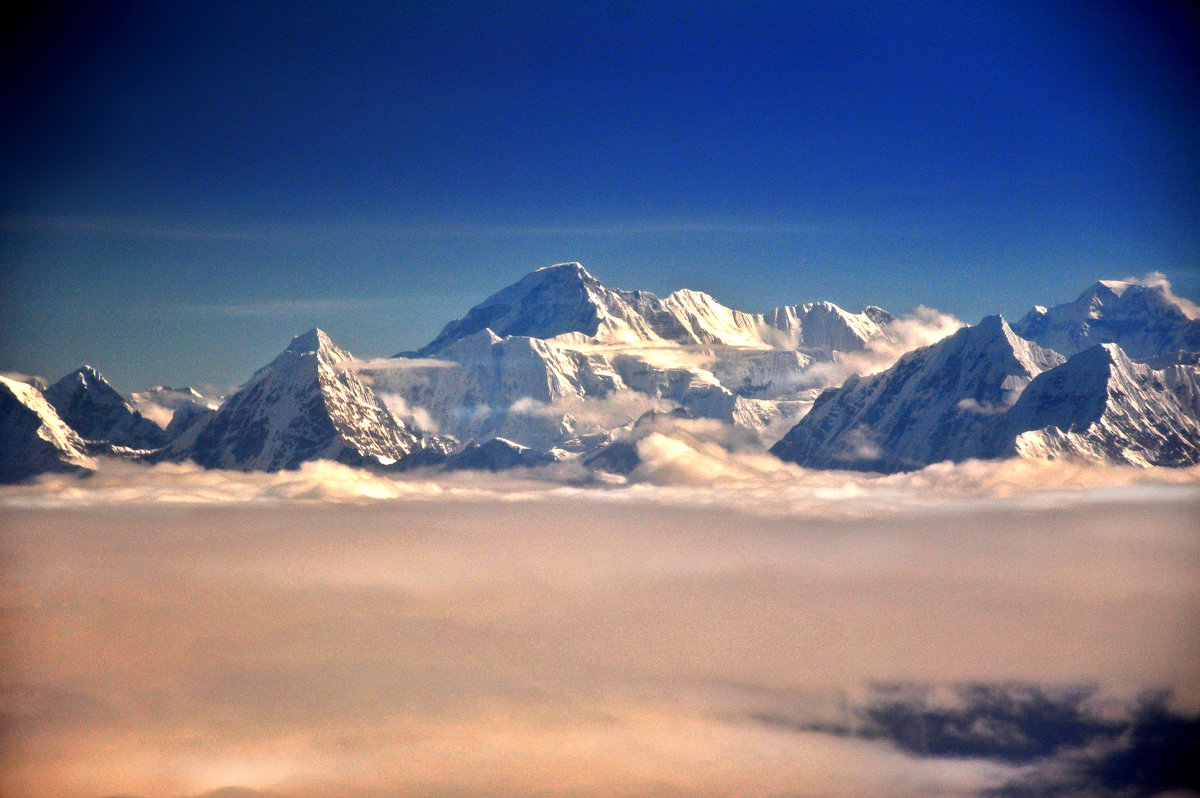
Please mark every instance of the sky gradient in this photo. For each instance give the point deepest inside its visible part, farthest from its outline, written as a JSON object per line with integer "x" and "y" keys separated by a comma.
{"x": 184, "y": 188}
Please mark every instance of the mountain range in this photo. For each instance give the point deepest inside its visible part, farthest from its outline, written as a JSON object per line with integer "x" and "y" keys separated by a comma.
{"x": 559, "y": 367}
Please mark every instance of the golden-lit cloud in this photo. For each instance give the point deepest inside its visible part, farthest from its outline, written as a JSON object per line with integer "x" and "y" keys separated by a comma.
{"x": 174, "y": 631}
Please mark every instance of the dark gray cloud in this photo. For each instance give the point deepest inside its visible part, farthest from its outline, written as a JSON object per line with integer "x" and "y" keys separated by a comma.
{"x": 1068, "y": 741}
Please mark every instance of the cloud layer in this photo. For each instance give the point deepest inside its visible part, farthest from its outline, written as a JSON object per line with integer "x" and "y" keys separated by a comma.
{"x": 173, "y": 631}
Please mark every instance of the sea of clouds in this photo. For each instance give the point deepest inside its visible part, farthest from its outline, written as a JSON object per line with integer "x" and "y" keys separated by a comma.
{"x": 718, "y": 623}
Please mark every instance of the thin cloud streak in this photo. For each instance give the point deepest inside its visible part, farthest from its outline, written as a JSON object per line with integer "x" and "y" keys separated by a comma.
{"x": 29, "y": 223}
{"x": 282, "y": 308}
{"x": 195, "y": 230}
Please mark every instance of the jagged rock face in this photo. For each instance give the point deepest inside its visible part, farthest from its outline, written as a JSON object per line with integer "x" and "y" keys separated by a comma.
{"x": 936, "y": 403}
{"x": 94, "y": 409}
{"x": 304, "y": 405}
{"x": 33, "y": 439}
{"x": 1101, "y": 406}
{"x": 1144, "y": 320}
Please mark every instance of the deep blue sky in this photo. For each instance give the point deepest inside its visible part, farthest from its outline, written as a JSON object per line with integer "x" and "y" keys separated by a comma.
{"x": 184, "y": 187}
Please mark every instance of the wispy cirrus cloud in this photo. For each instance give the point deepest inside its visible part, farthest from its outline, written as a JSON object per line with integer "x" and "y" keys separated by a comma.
{"x": 34, "y": 223}
{"x": 208, "y": 230}
{"x": 301, "y": 306}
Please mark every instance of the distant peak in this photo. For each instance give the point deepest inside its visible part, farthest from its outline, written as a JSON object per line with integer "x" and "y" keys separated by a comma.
{"x": 83, "y": 378}
{"x": 312, "y": 341}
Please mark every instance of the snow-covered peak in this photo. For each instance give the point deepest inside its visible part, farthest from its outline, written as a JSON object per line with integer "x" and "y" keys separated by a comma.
{"x": 565, "y": 301}
{"x": 1115, "y": 287}
{"x": 33, "y": 438}
{"x": 303, "y": 405}
{"x": 571, "y": 270}
{"x": 688, "y": 296}
{"x": 169, "y": 390}
{"x": 1102, "y": 406}
{"x": 992, "y": 344}
{"x": 88, "y": 378}
{"x": 93, "y": 408}
{"x": 1144, "y": 317}
{"x": 545, "y": 303}
{"x": 316, "y": 341}
{"x": 706, "y": 321}
{"x": 171, "y": 396}
{"x": 172, "y": 408}
{"x": 87, "y": 374}
{"x": 936, "y": 403}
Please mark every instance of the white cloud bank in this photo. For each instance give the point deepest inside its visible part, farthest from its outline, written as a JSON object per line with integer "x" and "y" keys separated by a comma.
{"x": 923, "y": 327}
{"x": 704, "y": 630}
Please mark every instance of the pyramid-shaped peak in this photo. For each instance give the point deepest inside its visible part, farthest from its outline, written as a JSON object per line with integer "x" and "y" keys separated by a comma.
{"x": 549, "y": 301}
{"x": 83, "y": 379}
{"x": 86, "y": 374}
{"x": 314, "y": 340}
{"x": 994, "y": 340}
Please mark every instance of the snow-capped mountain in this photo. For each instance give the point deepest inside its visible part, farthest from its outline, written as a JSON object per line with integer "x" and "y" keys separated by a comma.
{"x": 558, "y": 366}
{"x": 936, "y": 403}
{"x": 1144, "y": 319}
{"x": 33, "y": 439}
{"x": 304, "y": 405}
{"x": 542, "y": 393}
{"x": 173, "y": 409}
{"x": 93, "y": 408}
{"x": 558, "y": 355}
{"x": 1102, "y": 406}
{"x": 565, "y": 299}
